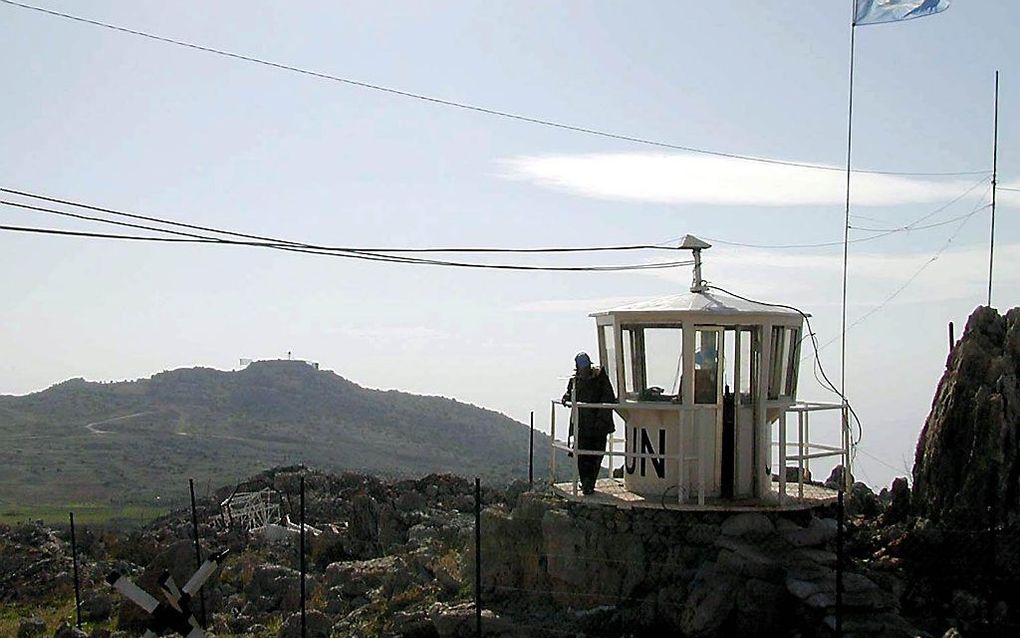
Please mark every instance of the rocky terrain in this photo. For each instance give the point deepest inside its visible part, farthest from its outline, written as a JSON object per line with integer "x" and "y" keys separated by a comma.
{"x": 967, "y": 466}
{"x": 390, "y": 559}
{"x": 396, "y": 557}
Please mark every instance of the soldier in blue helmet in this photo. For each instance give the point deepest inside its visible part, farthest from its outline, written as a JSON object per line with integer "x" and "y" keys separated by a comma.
{"x": 592, "y": 385}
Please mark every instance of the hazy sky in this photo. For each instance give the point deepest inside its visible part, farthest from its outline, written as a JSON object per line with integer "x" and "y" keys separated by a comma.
{"x": 115, "y": 120}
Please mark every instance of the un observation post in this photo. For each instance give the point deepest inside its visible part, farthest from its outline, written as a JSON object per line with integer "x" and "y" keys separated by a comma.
{"x": 702, "y": 379}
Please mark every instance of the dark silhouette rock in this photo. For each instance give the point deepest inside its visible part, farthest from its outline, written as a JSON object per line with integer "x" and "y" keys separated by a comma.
{"x": 861, "y": 501}
{"x": 899, "y": 502}
{"x": 835, "y": 479}
{"x": 967, "y": 464}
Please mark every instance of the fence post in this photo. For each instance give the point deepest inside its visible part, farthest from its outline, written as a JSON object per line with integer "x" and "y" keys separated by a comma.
{"x": 839, "y": 564}
{"x": 952, "y": 338}
{"x": 302, "y": 551}
{"x": 77, "y": 583}
{"x": 531, "y": 454}
{"x": 478, "y": 557}
{"x": 552, "y": 441}
{"x": 198, "y": 550}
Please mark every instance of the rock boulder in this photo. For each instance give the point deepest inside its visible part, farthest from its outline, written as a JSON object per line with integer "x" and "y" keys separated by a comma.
{"x": 967, "y": 464}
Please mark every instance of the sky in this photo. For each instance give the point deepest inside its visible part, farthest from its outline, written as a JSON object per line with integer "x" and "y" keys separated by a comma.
{"x": 115, "y": 120}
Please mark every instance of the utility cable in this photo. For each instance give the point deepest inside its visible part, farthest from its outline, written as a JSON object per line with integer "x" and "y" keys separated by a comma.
{"x": 915, "y": 275}
{"x": 468, "y": 107}
{"x": 880, "y": 232}
{"x": 366, "y": 257}
{"x": 829, "y": 385}
{"x": 169, "y": 222}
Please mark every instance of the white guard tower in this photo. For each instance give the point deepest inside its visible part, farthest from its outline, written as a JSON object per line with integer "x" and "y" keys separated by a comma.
{"x": 701, "y": 379}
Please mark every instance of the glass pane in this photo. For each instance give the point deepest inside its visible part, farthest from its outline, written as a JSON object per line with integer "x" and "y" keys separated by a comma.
{"x": 746, "y": 337}
{"x": 663, "y": 348}
{"x": 729, "y": 360}
{"x": 778, "y": 362}
{"x": 792, "y": 355}
{"x": 628, "y": 362}
{"x": 706, "y": 366}
{"x": 609, "y": 361}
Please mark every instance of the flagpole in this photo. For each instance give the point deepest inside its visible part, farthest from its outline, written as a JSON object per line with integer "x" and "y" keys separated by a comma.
{"x": 995, "y": 167}
{"x": 846, "y": 220}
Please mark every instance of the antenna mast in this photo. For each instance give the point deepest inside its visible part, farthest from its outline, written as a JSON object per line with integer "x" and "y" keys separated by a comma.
{"x": 695, "y": 245}
{"x": 995, "y": 168}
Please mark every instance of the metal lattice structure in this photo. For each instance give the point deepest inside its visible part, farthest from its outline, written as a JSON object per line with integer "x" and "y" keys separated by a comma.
{"x": 252, "y": 510}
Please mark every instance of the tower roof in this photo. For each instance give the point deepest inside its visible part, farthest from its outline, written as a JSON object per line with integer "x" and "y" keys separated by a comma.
{"x": 707, "y": 302}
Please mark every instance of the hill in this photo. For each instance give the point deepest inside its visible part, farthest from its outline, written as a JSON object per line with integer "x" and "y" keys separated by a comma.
{"x": 139, "y": 441}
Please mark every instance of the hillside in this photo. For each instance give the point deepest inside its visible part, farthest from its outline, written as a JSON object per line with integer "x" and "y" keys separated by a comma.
{"x": 131, "y": 442}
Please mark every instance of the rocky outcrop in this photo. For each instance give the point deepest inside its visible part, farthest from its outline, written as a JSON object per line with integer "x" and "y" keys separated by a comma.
{"x": 967, "y": 464}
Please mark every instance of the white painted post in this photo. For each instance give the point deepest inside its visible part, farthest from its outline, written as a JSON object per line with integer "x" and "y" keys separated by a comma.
{"x": 807, "y": 439}
{"x": 552, "y": 443}
{"x": 800, "y": 453}
{"x": 782, "y": 457}
{"x": 762, "y": 439}
{"x": 681, "y": 495}
{"x": 700, "y": 446}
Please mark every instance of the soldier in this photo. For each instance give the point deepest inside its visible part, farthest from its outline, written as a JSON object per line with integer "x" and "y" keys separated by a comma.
{"x": 592, "y": 385}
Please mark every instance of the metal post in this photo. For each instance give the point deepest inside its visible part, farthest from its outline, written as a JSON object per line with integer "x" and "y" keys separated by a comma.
{"x": 800, "y": 454}
{"x": 478, "y": 557}
{"x": 77, "y": 582}
{"x": 839, "y": 565}
{"x": 847, "y": 471}
{"x": 807, "y": 441}
{"x": 552, "y": 439}
{"x": 575, "y": 424}
{"x": 995, "y": 175}
{"x": 952, "y": 338}
{"x": 846, "y": 219}
{"x": 782, "y": 458}
{"x": 198, "y": 550}
{"x": 531, "y": 454}
{"x": 681, "y": 491}
{"x": 302, "y": 550}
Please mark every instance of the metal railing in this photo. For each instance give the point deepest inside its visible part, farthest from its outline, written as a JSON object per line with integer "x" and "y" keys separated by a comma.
{"x": 570, "y": 445}
{"x": 806, "y": 450}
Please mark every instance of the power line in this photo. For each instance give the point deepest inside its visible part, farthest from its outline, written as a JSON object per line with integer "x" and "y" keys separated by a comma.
{"x": 881, "y": 232}
{"x": 828, "y": 384}
{"x": 271, "y": 242}
{"x": 471, "y": 107}
{"x": 914, "y": 276}
{"x": 312, "y": 251}
{"x": 169, "y": 222}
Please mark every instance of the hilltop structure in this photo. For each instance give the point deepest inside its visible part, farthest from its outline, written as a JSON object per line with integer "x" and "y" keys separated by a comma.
{"x": 703, "y": 378}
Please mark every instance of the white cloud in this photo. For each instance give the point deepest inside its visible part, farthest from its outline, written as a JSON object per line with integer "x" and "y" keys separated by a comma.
{"x": 698, "y": 179}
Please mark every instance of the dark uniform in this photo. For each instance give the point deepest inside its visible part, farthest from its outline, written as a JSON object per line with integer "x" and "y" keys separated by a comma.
{"x": 595, "y": 424}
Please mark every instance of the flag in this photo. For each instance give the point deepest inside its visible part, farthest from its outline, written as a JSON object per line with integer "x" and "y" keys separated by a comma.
{"x": 879, "y": 11}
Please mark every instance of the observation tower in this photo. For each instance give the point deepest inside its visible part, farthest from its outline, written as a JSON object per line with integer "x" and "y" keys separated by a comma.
{"x": 704, "y": 380}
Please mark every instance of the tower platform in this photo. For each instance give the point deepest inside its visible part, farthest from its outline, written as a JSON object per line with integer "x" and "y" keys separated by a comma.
{"x": 611, "y": 491}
